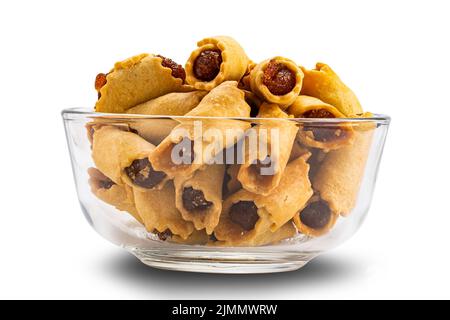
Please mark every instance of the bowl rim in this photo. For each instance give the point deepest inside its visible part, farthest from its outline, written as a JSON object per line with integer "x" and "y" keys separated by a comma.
{"x": 83, "y": 113}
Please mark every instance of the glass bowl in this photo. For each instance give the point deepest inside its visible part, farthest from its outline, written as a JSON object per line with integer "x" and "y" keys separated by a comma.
{"x": 224, "y": 195}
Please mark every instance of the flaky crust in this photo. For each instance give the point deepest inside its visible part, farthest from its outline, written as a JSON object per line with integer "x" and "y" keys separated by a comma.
{"x": 304, "y": 229}
{"x": 171, "y": 104}
{"x": 135, "y": 81}
{"x": 323, "y": 83}
{"x": 113, "y": 150}
{"x": 209, "y": 180}
{"x": 274, "y": 210}
{"x": 251, "y": 179}
{"x": 226, "y": 100}
{"x": 303, "y": 104}
{"x": 234, "y": 62}
{"x": 258, "y": 87}
{"x": 339, "y": 177}
{"x": 158, "y": 211}
{"x": 121, "y": 197}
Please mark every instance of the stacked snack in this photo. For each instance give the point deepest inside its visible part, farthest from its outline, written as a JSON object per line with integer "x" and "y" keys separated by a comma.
{"x": 182, "y": 186}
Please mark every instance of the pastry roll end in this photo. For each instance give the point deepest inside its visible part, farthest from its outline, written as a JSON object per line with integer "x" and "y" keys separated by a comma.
{"x": 277, "y": 80}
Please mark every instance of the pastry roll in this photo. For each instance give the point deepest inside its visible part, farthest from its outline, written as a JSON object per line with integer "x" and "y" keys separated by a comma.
{"x": 246, "y": 216}
{"x": 199, "y": 198}
{"x": 171, "y": 104}
{"x": 216, "y": 60}
{"x": 137, "y": 80}
{"x": 196, "y": 142}
{"x": 277, "y": 80}
{"x": 158, "y": 212}
{"x": 153, "y": 130}
{"x": 263, "y": 168}
{"x": 123, "y": 157}
{"x": 316, "y": 219}
{"x": 121, "y": 197}
{"x": 339, "y": 177}
{"x": 323, "y": 83}
{"x": 320, "y": 135}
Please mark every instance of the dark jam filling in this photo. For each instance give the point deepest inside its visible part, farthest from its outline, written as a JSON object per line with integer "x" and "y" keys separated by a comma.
{"x": 278, "y": 78}
{"x": 316, "y": 215}
{"x": 194, "y": 200}
{"x": 177, "y": 70}
{"x": 245, "y": 214}
{"x": 322, "y": 133}
{"x": 106, "y": 183}
{"x": 142, "y": 174}
{"x": 207, "y": 65}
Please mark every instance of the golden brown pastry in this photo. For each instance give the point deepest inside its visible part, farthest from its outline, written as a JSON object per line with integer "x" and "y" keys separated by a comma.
{"x": 153, "y": 130}
{"x": 327, "y": 136}
{"x": 339, "y": 177}
{"x": 158, "y": 212}
{"x": 199, "y": 198}
{"x": 323, "y": 83}
{"x": 121, "y": 197}
{"x": 171, "y": 104}
{"x": 137, "y": 80}
{"x": 123, "y": 157}
{"x": 216, "y": 60}
{"x": 246, "y": 216}
{"x": 232, "y": 183}
{"x": 262, "y": 171}
{"x": 197, "y": 142}
{"x": 277, "y": 80}
{"x": 316, "y": 219}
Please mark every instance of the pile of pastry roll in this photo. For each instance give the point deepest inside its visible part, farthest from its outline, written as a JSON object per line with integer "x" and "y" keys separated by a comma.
{"x": 317, "y": 172}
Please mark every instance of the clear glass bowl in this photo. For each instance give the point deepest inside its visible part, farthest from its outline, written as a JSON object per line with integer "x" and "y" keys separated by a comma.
{"x": 309, "y": 191}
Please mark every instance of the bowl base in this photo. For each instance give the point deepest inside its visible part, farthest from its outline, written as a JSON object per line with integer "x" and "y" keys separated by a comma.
{"x": 227, "y": 262}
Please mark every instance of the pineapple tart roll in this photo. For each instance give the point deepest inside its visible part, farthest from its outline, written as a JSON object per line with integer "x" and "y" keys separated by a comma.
{"x": 263, "y": 168}
{"x": 340, "y": 174}
{"x": 158, "y": 212}
{"x": 277, "y": 80}
{"x": 121, "y": 197}
{"x": 245, "y": 215}
{"x": 184, "y": 151}
{"x": 137, "y": 80}
{"x": 323, "y": 83}
{"x": 123, "y": 157}
{"x": 316, "y": 219}
{"x": 199, "y": 198}
{"x": 323, "y": 136}
{"x": 216, "y": 60}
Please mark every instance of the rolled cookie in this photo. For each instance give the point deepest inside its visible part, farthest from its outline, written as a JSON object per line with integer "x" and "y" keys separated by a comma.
{"x": 137, "y": 80}
{"x": 199, "y": 198}
{"x": 121, "y": 197}
{"x": 123, "y": 157}
{"x": 198, "y": 141}
{"x": 322, "y": 135}
{"x": 339, "y": 178}
{"x": 316, "y": 219}
{"x": 245, "y": 216}
{"x": 216, "y": 60}
{"x": 277, "y": 80}
{"x": 158, "y": 211}
{"x": 266, "y": 160}
{"x": 323, "y": 83}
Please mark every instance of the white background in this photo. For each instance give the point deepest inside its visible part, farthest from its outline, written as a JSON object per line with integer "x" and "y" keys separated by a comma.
{"x": 394, "y": 54}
